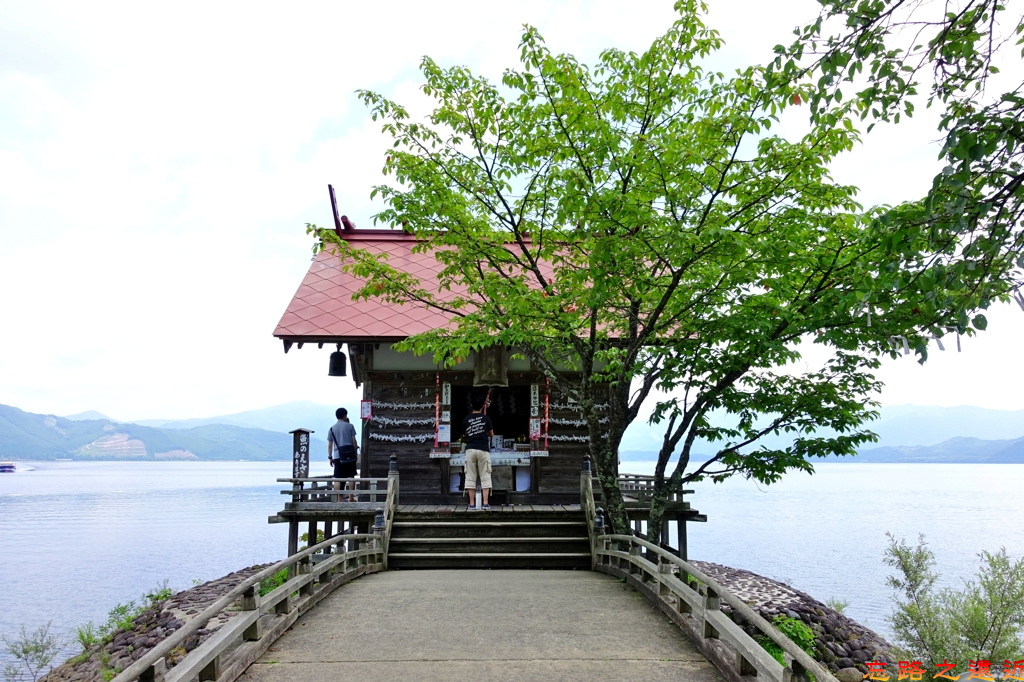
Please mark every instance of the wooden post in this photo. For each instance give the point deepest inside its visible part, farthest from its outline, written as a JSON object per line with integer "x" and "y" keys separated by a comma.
{"x": 711, "y": 603}
{"x": 305, "y": 564}
{"x": 681, "y": 532}
{"x": 293, "y": 536}
{"x": 155, "y": 672}
{"x": 311, "y": 533}
{"x": 251, "y": 602}
{"x": 744, "y": 667}
{"x": 794, "y": 672}
{"x": 393, "y": 475}
{"x": 664, "y": 569}
{"x": 634, "y": 551}
{"x": 211, "y": 671}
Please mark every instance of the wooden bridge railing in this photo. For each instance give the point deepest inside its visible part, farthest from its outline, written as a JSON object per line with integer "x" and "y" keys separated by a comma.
{"x": 262, "y": 619}
{"x": 642, "y": 488}
{"x": 313, "y": 573}
{"x": 665, "y": 579}
{"x": 323, "y": 488}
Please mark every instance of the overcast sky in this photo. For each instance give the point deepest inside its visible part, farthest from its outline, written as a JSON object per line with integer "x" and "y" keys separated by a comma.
{"x": 158, "y": 163}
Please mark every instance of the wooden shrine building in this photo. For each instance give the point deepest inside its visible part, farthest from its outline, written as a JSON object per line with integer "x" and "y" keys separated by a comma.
{"x": 413, "y": 408}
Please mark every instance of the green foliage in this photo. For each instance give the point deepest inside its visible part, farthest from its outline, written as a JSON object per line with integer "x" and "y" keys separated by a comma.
{"x": 305, "y": 538}
{"x": 87, "y": 636}
{"x": 773, "y": 649}
{"x": 160, "y": 593}
{"x": 268, "y": 585}
{"x": 900, "y": 53}
{"x": 983, "y": 620}
{"x": 121, "y": 617}
{"x": 106, "y": 672}
{"x": 796, "y": 630}
{"x": 837, "y": 604}
{"x": 641, "y": 222}
{"x": 32, "y": 654}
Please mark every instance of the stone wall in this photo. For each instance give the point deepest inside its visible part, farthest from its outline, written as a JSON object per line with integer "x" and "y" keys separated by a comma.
{"x": 150, "y": 628}
{"x": 840, "y": 643}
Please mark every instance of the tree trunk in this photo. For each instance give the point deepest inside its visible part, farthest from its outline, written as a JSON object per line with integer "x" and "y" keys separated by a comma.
{"x": 657, "y": 514}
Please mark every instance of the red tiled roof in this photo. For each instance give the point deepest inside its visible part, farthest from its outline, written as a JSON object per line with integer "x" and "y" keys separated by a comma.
{"x": 322, "y": 309}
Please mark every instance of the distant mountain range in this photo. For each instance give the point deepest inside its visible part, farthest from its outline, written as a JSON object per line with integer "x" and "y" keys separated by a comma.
{"x": 28, "y": 436}
{"x": 952, "y": 451}
{"x": 897, "y": 426}
{"x": 907, "y": 433}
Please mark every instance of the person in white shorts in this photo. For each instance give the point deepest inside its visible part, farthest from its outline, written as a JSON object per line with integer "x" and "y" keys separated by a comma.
{"x": 479, "y": 430}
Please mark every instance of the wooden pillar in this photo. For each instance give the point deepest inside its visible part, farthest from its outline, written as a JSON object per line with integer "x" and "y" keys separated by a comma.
{"x": 293, "y": 536}
{"x": 681, "y": 532}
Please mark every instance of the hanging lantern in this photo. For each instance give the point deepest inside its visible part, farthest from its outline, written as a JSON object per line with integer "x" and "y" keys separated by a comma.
{"x": 337, "y": 368}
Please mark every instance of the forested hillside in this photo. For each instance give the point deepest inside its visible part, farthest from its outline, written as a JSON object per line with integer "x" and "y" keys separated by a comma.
{"x": 28, "y": 436}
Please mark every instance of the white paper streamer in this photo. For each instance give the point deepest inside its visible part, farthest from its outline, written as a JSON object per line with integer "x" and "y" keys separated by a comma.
{"x": 895, "y": 341}
{"x": 1019, "y": 298}
{"x": 389, "y": 421}
{"x": 381, "y": 405}
{"x": 422, "y": 438}
{"x": 576, "y": 407}
{"x": 575, "y": 422}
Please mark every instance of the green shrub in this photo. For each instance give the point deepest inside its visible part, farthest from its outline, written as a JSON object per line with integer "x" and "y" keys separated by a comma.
{"x": 121, "y": 617}
{"x": 268, "y": 585}
{"x": 984, "y": 620}
{"x": 30, "y": 653}
{"x": 793, "y": 628}
{"x": 836, "y": 604}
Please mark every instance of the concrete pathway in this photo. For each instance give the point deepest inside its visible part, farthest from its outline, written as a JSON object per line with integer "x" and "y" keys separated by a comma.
{"x": 483, "y": 625}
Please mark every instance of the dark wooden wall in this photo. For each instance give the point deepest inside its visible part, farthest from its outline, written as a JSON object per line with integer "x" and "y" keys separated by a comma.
{"x": 559, "y": 473}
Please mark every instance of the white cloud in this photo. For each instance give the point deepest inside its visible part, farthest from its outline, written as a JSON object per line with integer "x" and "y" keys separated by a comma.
{"x": 157, "y": 165}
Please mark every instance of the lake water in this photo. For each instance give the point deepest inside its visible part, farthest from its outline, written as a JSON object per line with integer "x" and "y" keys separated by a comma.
{"x": 76, "y": 538}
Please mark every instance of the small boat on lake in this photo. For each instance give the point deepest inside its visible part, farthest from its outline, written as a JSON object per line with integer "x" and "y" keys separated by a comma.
{"x": 7, "y": 467}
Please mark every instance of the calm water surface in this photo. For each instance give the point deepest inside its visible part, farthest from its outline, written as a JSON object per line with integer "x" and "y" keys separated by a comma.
{"x": 76, "y": 538}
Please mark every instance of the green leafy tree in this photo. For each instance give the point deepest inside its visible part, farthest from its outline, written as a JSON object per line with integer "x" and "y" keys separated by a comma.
{"x": 896, "y": 54}
{"x": 639, "y": 231}
{"x": 984, "y": 620}
{"x": 31, "y": 654}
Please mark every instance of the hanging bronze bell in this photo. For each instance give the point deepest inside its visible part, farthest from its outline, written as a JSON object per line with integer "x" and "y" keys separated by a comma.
{"x": 337, "y": 368}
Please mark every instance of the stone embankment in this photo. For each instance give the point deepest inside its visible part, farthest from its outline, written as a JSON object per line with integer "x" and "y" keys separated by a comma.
{"x": 842, "y": 644}
{"x": 151, "y": 627}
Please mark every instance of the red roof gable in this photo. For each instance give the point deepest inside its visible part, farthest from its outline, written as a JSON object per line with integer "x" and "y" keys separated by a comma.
{"x": 322, "y": 309}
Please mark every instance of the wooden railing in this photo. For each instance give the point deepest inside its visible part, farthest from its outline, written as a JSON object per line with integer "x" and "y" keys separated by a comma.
{"x": 390, "y": 505}
{"x": 642, "y": 488}
{"x": 313, "y": 573}
{"x": 323, "y": 489}
{"x": 588, "y": 505}
{"x": 262, "y": 619}
{"x": 665, "y": 579}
